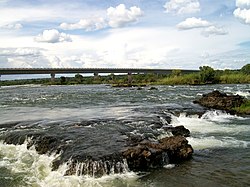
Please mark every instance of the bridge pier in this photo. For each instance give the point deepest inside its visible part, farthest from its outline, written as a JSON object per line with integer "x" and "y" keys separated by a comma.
{"x": 52, "y": 75}
{"x": 130, "y": 78}
{"x": 96, "y": 76}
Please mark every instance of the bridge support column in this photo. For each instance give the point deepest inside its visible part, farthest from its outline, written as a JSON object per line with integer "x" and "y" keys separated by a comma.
{"x": 96, "y": 76}
{"x": 52, "y": 75}
{"x": 130, "y": 78}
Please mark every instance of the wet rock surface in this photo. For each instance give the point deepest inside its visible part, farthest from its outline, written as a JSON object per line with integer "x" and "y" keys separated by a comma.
{"x": 149, "y": 154}
{"x": 101, "y": 147}
{"x": 221, "y": 101}
{"x": 178, "y": 131}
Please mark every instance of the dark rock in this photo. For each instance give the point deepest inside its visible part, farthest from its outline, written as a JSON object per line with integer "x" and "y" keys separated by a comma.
{"x": 153, "y": 88}
{"x": 221, "y": 101}
{"x": 142, "y": 157}
{"x": 178, "y": 131}
{"x": 47, "y": 144}
{"x": 177, "y": 148}
{"x": 156, "y": 154}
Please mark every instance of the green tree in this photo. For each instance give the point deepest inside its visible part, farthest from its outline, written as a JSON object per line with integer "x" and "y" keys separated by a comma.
{"x": 176, "y": 72}
{"x": 63, "y": 80}
{"x": 79, "y": 78}
{"x": 207, "y": 74}
{"x": 111, "y": 77}
{"x": 246, "y": 69}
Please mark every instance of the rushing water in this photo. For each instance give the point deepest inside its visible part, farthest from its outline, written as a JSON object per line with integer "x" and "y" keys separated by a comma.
{"x": 221, "y": 141}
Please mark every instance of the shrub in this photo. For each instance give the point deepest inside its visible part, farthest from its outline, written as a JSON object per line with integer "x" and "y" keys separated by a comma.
{"x": 207, "y": 74}
{"x": 246, "y": 69}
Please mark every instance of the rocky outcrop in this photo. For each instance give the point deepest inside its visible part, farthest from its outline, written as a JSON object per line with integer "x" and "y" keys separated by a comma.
{"x": 148, "y": 154}
{"x": 90, "y": 148}
{"x": 221, "y": 101}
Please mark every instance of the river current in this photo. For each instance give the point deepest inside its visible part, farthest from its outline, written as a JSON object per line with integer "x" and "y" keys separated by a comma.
{"x": 221, "y": 141}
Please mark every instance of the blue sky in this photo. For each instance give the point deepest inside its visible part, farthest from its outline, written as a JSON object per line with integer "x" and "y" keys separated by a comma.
{"x": 125, "y": 33}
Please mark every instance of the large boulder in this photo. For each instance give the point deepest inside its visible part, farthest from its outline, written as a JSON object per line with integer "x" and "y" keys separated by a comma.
{"x": 148, "y": 154}
{"x": 221, "y": 101}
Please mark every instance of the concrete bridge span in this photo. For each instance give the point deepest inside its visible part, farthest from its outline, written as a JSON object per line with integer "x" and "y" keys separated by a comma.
{"x": 16, "y": 71}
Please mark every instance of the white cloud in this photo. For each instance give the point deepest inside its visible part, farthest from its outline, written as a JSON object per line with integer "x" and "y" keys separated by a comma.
{"x": 26, "y": 57}
{"x": 214, "y": 30}
{"x": 15, "y": 26}
{"x": 191, "y": 23}
{"x": 86, "y": 24}
{"x": 122, "y": 48}
{"x": 17, "y": 52}
{"x": 17, "y": 63}
{"x": 121, "y": 16}
{"x": 243, "y": 3}
{"x": 207, "y": 27}
{"x": 243, "y": 15}
{"x": 53, "y": 36}
{"x": 242, "y": 12}
{"x": 55, "y": 62}
{"x": 115, "y": 17}
{"x": 182, "y": 6}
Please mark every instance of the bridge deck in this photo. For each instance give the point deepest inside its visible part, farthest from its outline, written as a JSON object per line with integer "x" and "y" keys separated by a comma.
{"x": 16, "y": 71}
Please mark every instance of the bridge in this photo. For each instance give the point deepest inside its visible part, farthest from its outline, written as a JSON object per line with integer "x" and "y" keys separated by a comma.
{"x": 95, "y": 71}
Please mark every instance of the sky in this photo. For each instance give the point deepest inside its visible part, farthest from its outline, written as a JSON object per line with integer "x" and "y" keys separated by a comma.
{"x": 184, "y": 34}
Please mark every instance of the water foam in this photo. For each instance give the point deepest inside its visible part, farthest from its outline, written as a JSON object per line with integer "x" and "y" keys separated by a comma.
{"x": 244, "y": 94}
{"x": 219, "y": 116}
{"x": 36, "y": 170}
{"x": 212, "y": 142}
{"x": 210, "y": 122}
{"x": 213, "y": 129}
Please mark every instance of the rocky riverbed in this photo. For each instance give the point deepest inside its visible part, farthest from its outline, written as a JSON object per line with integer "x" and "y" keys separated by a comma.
{"x": 89, "y": 148}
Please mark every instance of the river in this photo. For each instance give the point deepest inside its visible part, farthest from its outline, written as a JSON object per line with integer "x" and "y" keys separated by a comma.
{"x": 221, "y": 141}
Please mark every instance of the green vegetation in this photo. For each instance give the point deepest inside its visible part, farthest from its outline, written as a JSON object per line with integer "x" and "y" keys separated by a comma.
{"x": 244, "y": 108}
{"x": 235, "y": 78}
{"x": 179, "y": 80}
{"x": 206, "y": 75}
{"x": 246, "y": 69}
{"x": 24, "y": 82}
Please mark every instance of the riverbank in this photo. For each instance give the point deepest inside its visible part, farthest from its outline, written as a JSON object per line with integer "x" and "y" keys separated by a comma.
{"x": 207, "y": 75}
{"x": 138, "y": 80}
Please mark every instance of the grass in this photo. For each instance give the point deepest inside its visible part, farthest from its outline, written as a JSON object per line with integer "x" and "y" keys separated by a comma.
{"x": 244, "y": 108}
{"x": 180, "y": 80}
{"x": 236, "y": 78}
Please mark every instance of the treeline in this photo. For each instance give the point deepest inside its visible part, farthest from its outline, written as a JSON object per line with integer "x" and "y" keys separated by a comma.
{"x": 110, "y": 79}
{"x": 206, "y": 75}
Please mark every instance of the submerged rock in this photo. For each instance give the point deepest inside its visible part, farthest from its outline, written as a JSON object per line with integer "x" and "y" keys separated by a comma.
{"x": 153, "y": 88}
{"x": 221, "y": 101}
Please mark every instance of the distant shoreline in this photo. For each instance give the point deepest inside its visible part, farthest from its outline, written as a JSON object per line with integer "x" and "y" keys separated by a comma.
{"x": 206, "y": 75}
